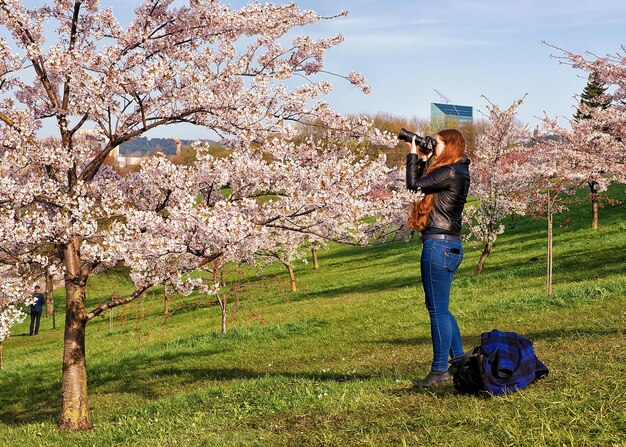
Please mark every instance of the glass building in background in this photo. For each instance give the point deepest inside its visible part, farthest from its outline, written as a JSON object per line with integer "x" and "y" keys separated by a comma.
{"x": 445, "y": 113}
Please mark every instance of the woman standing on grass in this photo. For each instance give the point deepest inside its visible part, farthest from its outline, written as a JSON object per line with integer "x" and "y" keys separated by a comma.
{"x": 442, "y": 175}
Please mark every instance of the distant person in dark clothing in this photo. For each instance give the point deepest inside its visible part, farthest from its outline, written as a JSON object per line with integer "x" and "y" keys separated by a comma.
{"x": 36, "y": 309}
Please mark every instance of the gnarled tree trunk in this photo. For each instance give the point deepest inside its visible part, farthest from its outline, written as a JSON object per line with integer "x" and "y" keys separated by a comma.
{"x": 483, "y": 257}
{"x": 292, "y": 276}
{"x": 75, "y": 406}
{"x": 486, "y": 249}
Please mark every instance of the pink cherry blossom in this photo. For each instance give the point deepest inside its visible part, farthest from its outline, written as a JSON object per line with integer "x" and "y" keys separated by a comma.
{"x": 497, "y": 176}
{"x": 204, "y": 64}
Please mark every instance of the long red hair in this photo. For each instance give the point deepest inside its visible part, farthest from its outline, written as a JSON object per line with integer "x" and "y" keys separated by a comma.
{"x": 453, "y": 152}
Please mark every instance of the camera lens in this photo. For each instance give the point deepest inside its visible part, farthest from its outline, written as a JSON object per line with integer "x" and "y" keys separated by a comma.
{"x": 406, "y": 135}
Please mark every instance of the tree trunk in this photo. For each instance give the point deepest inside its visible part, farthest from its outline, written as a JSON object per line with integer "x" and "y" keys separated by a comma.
{"x": 75, "y": 406}
{"x": 316, "y": 266}
{"x": 292, "y": 276}
{"x": 166, "y": 304}
{"x": 593, "y": 186}
{"x": 50, "y": 299}
{"x": 483, "y": 257}
{"x": 549, "y": 273}
{"x": 222, "y": 301}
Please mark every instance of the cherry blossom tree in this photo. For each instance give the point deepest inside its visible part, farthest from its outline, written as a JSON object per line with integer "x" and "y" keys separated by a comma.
{"x": 497, "y": 175}
{"x": 596, "y": 142}
{"x": 548, "y": 169}
{"x": 592, "y": 152}
{"x": 549, "y": 192}
{"x": 202, "y": 64}
{"x": 550, "y": 182}
{"x": 592, "y": 96}
{"x": 358, "y": 201}
{"x": 610, "y": 71}
{"x": 595, "y": 157}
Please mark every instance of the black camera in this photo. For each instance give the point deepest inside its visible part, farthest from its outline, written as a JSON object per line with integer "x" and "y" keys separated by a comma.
{"x": 427, "y": 144}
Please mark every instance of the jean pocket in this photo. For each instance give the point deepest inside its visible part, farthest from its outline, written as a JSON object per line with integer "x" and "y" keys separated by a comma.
{"x": 452, "y": 260}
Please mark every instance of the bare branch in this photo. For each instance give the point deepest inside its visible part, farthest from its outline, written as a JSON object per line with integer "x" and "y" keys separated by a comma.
{"x": 119, "y": 302}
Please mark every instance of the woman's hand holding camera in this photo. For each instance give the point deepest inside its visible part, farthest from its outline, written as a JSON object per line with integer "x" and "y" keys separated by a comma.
{"x": 413, "y": 148}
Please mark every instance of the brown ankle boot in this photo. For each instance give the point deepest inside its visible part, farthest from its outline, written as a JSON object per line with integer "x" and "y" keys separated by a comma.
{"x": 435, "y": 378}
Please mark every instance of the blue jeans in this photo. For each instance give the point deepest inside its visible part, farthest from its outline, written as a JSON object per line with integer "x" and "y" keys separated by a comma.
{"x": 438, "y": 264}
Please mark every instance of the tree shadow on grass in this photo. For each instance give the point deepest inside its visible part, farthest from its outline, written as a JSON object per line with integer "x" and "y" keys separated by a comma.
{"x": 585, "y": 263}
{"x": 236, "y": 374}
{"x": 363, "y": 287}
{"x": 401, "y": 341}
{"x": 355, "y": 254}
{"x": 36, "y": 400}
{"x": 25, "y": 398}
{"x": 38, "y": 405}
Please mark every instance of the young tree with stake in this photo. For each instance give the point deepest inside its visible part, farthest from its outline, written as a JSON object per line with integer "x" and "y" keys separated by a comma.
{"x": 496, "y": 177}
{"x": 596, "y": 143}
{"x": 550, "y": 185}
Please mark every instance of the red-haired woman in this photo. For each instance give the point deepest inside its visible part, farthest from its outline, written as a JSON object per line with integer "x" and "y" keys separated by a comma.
{"x": 442, "y": 175}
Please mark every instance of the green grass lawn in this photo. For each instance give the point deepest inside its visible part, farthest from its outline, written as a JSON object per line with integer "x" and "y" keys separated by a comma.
{"x": 332, "y": 364}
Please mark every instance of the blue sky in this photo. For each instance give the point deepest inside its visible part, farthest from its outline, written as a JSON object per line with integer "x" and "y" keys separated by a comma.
{"x": 464, "y": 49}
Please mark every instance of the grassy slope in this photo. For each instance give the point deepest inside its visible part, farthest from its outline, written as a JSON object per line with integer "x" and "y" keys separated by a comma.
{"x": 332, "y": 363}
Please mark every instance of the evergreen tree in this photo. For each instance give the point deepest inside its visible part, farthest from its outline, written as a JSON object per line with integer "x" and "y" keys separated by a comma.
{"x": 592, "y": 96}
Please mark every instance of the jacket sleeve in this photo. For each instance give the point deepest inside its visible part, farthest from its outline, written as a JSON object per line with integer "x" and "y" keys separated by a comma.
{"x": 414, "y": 170}
{"x": 436, "y": 181}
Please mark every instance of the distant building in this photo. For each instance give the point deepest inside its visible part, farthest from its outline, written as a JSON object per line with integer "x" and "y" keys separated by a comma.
{"x": 94, "y": 138}
{"x": 440, "y": 113}
{"x": 124, "y": 162}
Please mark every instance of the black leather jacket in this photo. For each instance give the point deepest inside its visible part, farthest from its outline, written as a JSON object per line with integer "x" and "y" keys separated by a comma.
{"x": 449, "y": 185}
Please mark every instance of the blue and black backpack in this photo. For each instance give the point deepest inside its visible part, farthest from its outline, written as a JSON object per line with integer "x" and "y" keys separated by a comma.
{"x": 503, "y": 363}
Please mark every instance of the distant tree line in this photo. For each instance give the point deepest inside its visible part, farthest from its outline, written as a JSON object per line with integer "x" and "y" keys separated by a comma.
{"x": 144, "y": 145}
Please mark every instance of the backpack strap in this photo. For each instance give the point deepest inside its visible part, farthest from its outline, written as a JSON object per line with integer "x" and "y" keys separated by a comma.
{"x": 463, "y": 360}
{"x": 467, "y": 377}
